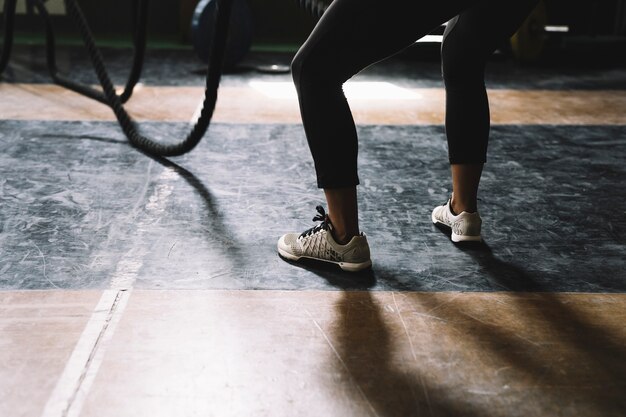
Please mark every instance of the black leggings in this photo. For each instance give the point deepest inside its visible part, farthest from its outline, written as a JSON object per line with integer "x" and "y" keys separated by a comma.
{"x": 354, "y": 34}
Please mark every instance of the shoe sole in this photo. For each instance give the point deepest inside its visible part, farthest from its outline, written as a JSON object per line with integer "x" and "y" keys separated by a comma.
{"x": 346, "y": 266}
{"x": 455, "y": 237}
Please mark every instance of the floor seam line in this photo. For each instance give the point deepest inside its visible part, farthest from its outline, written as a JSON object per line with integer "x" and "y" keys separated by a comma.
{"x": 97, "y": 330}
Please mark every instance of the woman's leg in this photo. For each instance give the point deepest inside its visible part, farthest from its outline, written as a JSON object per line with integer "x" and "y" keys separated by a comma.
{"x": 469, "y": 40}
{"x": 352, "y": 35}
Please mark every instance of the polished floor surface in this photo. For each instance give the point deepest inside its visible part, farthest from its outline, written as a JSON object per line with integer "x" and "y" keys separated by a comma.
{"x": 137, "y": 286}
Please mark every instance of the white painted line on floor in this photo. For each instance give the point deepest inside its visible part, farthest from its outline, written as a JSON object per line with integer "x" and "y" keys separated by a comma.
{"x": 99, "y": 329}
{"x": 132, "y": 261}
{"x": 80, "y": 372}
{"x": 92, "y": 367}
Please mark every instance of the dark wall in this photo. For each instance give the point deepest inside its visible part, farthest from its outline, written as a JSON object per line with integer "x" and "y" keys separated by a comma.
{"x": 589, "y": 17}
{"x": 276, "y": 21}
{"x": 113, "y": 16}
{"x": 280, "y": 20}
{"x": 109, "y": 18}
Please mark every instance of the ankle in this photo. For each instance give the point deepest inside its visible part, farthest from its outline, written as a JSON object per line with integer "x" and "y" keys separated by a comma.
{"x": 342, "y": 229}
{"x": 459, "y": 207}
{"x": 342, "y": 237}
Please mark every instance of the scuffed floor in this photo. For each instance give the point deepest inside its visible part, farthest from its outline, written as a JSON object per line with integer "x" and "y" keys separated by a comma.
{"x": 135, "y": 286}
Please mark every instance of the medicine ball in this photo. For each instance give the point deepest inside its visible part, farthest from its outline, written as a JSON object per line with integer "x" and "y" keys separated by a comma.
{"x": 239, "y": 34}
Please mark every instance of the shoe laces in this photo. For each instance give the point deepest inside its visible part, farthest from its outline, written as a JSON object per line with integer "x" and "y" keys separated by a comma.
{"x": 320, "y": 217}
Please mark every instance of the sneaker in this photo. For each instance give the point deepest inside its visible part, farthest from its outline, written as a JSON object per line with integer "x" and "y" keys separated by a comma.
{"x": 465, "y": 226}
{"x": 318, "y": 243}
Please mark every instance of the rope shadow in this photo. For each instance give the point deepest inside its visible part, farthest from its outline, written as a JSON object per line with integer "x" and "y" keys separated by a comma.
{"x": 213, "y": 221}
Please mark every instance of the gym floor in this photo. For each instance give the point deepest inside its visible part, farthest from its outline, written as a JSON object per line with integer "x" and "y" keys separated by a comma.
{"x": 132, "y": 286}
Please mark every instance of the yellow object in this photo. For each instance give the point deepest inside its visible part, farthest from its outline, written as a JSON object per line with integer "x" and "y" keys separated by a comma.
{"x": 528, "y": 42}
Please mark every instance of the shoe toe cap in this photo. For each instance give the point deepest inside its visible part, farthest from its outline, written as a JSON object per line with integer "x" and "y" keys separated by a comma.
{"x": 287, "y": 241}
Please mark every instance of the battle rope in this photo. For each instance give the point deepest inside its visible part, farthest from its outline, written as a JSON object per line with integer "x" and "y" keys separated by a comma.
{"x": 126, "y": 122}
{"x": 139, "y": 11}
{"x": 109, "y": 96}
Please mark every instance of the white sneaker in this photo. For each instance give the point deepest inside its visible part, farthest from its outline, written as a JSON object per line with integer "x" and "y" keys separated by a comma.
{"x": 318, "y": 243}
{"x": 465, "y": 226}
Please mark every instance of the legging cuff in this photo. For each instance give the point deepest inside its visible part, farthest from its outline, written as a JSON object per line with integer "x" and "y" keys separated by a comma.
{"x": 457, "y": 161}
{"x": 343, "y": 182}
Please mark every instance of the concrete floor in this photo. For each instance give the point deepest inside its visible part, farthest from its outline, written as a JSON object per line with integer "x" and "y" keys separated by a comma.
{"x": 133, "y": 287}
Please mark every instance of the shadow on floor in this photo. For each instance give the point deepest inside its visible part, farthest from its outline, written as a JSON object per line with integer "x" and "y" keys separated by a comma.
{"x": 578, "y": 364}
